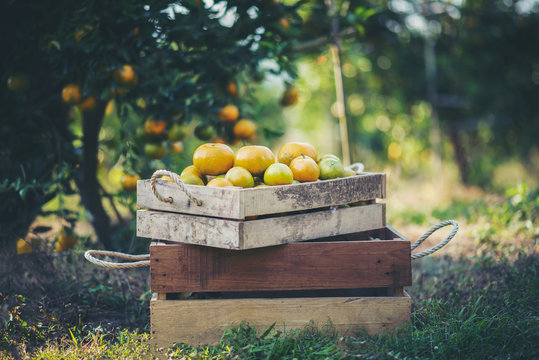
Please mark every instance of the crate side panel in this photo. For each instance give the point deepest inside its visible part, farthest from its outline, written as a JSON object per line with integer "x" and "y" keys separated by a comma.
{"x": 218, "y": 202}
{"x": 203, "y": 321}
{"x": 190, "y": 229}
{"x": 313, "y": 225}
{"x": 295, "y": 266}
{"x": 278, "y": 199}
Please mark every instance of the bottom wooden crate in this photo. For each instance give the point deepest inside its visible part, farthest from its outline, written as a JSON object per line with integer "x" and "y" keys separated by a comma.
{"x": 203, "y": 321}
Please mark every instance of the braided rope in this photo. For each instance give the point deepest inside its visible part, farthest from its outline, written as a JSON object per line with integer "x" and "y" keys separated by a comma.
{"x": 178, "y": 182}
{"x": 89, "y": 255}
{"x": 429, "y": 233}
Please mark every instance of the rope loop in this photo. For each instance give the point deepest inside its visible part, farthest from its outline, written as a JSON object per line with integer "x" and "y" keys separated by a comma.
{"x": 177, "y": 181}
{"x": 429, "y": 233}
{"x": 357, "y": 167}
{"x": 143, "y": 260}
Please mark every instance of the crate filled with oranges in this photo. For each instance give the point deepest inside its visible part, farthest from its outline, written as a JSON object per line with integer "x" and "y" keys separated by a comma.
{"x": 253, "y": 198}
{"x": 286, "y": 241}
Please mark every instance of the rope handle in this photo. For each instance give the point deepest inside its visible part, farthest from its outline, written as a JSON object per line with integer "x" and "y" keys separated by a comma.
{"x": 175, "y": 177}
{"x": 357, "y": 167}
{"x": 144, "y": 259}
{"x": 429, "y": 233}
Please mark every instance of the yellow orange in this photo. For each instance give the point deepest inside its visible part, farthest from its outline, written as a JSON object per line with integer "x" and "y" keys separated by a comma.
{"x": 304, "y": 169}
{"x": 71, "y": 94}
{"x": 88, "y": 104}
{"x": 220, "y": 182}
{"x": 290, "y": 96}
{"x": 229, "y": 113}
{"x": 155, "y": 127}
{"x": 244, "y": 129}
{"x": 292, "y": 150}
{"x": 239, "y": 176}
{"x": 278, "y": 174}
{"x": 192, "y": 169}
{"x": 213, "y": 159}
{"x": 254, "y": 158}
{"x": 129, "y": 181}
{"x": 191, "y": 179}
{"x": 177, "y": 147}
{"x": 126, "y": 76}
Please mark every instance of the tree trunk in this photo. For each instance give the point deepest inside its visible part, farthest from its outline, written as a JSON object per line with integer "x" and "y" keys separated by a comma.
{"x": 88, "y": 183}
{"x": 460, "y": 155}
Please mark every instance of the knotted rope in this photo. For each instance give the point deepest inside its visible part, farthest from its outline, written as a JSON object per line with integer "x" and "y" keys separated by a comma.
{"x": 176, "y": 180}
{"x": 144, "y": 259}
{"x": 429, "y": 233}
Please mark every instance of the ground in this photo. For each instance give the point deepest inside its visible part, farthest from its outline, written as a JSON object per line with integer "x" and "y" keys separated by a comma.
{"x": 476, "y": 298}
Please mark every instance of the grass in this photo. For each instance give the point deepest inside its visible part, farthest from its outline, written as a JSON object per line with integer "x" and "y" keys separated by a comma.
{"x": 484, "y": 305}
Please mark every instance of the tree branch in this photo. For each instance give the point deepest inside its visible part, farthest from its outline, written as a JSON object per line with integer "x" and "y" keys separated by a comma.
{"x": 323, "y": 40}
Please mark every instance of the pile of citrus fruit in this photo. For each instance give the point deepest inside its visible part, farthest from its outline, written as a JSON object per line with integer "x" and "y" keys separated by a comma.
{"x": 215, "y": 164}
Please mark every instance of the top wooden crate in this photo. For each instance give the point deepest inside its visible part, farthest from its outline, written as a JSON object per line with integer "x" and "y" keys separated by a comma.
{"x": 239, "y": 203}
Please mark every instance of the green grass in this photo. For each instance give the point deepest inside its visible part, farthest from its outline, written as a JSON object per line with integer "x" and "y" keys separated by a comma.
{"x": 484, "y": 306}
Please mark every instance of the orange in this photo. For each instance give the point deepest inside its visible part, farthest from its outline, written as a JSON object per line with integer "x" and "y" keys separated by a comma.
{"x": 232, "y": 89}
{"x": 278, "y": 174}
{"x": 177, "y": 147}
{"x": 290, "y": 96}
{"x": 64, "y": 241}
{"x": 88, "y": 104}
{"x": 292, "y": 150}
{"x": 18, "y": 83}
{"x": 330, "y": 169}
{"x": 71, "y": 94}
{"x": 118, "y": 91}
{"x": 229, "y": 113}
{"x": 204, "y": 131}
{"x": 155, "y": 151}
{"x": 244, "y": 129}
{"x": 155, "y": 127}
{"x": 254, "y": 158}
{"x": 261, "y": 185}
{"x": 304, "y": 169}
{"x": 129, "y": 181}
{"x": 191, "y": 179}
{"x": 167, "y": 178}
{"x": 220, "y": 182}
{"x": 177, "y": 132}
{"x": 218, "y": 140}
{"x": 284, "y": 23}
{"x": 126, "y": 76}
{"x": 192, "y": 169}
{"x": 239, "y": 176}
{"x": 213, "y": 159}
{"x": 329, "y": 156}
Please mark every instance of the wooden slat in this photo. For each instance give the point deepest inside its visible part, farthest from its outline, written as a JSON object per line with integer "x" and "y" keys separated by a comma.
{"x": 239, "y": 234}
{"x": 237, "y": 203}
{"x": 203, "y": 321}
{"x": 295, "y": 266}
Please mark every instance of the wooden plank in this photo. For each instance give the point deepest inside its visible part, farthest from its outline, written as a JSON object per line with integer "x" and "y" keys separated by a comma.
{"x": 239, "y": 234}
{"x": 203, "y": 321}
{"x": 295, "y": 266}
{"x": 192, "y": 229}
{"x": 237, "y": 203}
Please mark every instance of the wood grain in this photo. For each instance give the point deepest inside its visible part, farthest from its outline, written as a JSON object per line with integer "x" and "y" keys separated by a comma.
{"x": 239, "y": 234}
{"x": 203, "y": 321}
{"x": 237, "y": 203}
{"x": 295, "y": 266}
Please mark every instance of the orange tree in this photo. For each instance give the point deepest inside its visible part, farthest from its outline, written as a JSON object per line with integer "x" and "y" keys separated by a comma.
{"x": 162, "y": 63}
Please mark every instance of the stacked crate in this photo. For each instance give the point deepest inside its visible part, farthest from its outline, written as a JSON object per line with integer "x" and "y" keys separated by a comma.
{"x": 310, "y": 253}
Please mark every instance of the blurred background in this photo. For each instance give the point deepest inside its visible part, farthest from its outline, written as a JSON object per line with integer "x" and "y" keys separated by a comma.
{"x": 440, "y": 95}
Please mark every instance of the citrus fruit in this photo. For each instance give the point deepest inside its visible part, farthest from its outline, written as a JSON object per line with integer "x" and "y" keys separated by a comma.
{"x": 220, "y": 182}
{"x": 285, "y": 24}
{"x": 64, "y": 241}
{"x": 18, "y": 83}
{"x": 262, "y": 185}
{"x": 290, "y": 96}
{"x": 192, "y": 169}
{"x": 129, "y": 181}
{"x": 329, "y": 156}
{"x": 117, "y": 91}
{"x": 278, "y": 174}
{"x": 244, "y": 129}
{"x": 292, "y": 150}
{"x": 330, "y": 169}
{"x": 229, "y": 113}
{"x": 154, "y": 127}
{"x": 23, "y": 247}
{"x": 239, "y": 176}
{"x": 204, "y": 131}
{"x": 349, "y": 172}
{"x": 88, "y": 104}
{"x": 191, "y": 179}
{"x": 126, "y": 76}
{"x": 213, "y": 159}
{"x": 177, "y": 147}
{"x": 304, "y": 169}
{"x": 167, "y": 178}
{"x": 177, "y": 132}
{"x": 254, "y": 158}
{"x": 71, "y": 94}
{"x": 155, "y": 151}
{"x": 218, "y": 140}
{"x": 235, "y": 90}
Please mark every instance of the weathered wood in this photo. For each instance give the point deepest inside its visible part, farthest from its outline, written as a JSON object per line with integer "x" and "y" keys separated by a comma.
{"x": 295, "y": 266}
{"x": 203, "y": 321}
{"x": 237, "y": 203}
{"x": 239, "y": 234}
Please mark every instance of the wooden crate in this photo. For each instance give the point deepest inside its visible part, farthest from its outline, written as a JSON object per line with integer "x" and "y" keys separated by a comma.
{"x": 352, "y": 280}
